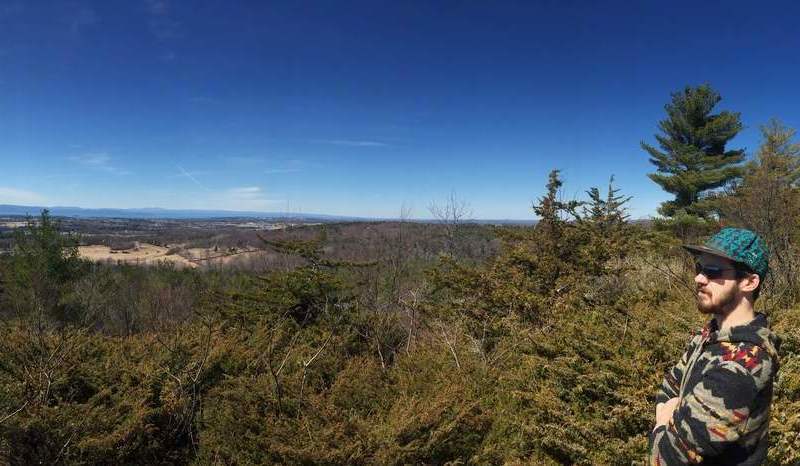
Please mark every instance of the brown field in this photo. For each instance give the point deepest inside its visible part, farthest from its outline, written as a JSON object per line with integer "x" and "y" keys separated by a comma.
{"x": 13, "y": 225}
{"x": 149, "y": 254}
{"x": 144, "y": 254}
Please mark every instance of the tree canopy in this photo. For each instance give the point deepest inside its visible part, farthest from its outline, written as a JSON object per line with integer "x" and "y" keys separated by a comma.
{"x": 693, "y": 158}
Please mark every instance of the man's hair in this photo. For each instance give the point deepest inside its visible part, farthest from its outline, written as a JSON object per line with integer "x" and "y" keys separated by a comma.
{"x": 742, "y": 270}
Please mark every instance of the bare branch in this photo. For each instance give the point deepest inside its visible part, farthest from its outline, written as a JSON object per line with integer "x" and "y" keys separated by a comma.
{"x": 449, "y": 344}
{"x": 9, "y": 416}
{"x": 306, "y": 364}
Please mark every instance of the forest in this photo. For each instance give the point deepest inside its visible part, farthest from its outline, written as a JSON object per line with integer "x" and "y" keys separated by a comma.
{"x": 441, "y": 343}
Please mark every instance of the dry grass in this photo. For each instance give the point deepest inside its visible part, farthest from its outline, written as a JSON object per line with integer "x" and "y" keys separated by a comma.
{"x": 149, "y": 254}
{"x": 145, "y": 254}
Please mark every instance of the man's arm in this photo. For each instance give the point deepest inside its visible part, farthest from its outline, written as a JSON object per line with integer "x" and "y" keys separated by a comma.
{"x": 708, "y": 419}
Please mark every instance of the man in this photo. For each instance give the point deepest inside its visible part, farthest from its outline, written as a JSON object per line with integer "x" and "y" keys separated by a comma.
{"x": 713, "y": 406}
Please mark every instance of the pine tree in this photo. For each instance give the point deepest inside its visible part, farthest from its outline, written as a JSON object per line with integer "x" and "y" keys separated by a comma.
{"x": 693, "y": 159}
{"x": 551, "y": 210}
{"x": 607, "y": 233}
{"x": 609, "y": 211}
{"x": 43, "y": 266}
{"x": 555, "y": 237}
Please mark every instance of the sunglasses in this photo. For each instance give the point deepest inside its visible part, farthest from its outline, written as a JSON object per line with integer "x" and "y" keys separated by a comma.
{"x": 712, "y": 272}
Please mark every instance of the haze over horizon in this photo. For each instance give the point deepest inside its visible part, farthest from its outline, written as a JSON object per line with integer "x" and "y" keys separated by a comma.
{"x": 358, "y": 108}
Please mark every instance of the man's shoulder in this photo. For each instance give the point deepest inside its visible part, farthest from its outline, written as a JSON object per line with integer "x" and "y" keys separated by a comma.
{"x": 740, "y": 359}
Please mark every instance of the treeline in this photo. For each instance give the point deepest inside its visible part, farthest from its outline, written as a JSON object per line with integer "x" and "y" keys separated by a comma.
{"x": 546, "y": 348}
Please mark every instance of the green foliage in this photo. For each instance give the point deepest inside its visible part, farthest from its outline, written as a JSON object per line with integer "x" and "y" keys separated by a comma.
{"x": 692, "y": 158}
{"x": 311, "y": 289}
{"x": 539, "y": 268}
{"x": 687, "y": 228}
{"x": 553, "y": 212}
{"x": 785, "y": 420}
{"x": 547, "y": 353}
{"x": 111, "y": 401}
{"x": 608, "y": 212}
{"x": 608, "y": 236}
{"x": 304, "y": 293}
{"x": 43, "y": 265}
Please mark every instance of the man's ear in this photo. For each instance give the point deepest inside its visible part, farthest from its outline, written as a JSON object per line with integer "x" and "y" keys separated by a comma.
{"x": 749, "y": 282}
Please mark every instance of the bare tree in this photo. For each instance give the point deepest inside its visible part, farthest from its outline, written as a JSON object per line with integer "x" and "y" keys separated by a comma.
{"x": 411, "y": 305}
{"x": 399, "y": 253}
{"x": 767, "y": 200}
{"x": 452, "y": 214}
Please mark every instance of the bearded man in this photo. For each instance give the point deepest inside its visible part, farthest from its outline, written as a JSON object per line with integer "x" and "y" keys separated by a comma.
{"x": 713, "y": 406}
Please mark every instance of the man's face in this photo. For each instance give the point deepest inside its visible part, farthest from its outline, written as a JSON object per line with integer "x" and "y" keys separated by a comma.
{"x": 716, "y": 295}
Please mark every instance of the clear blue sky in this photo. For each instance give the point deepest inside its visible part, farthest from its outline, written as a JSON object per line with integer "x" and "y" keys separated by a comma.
{"x": 355, "y": 108}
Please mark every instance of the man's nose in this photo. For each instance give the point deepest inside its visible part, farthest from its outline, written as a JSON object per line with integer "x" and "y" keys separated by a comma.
{"x": 700, "y": 279}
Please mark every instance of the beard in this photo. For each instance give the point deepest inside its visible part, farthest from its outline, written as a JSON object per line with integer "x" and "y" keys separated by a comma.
{"x": 725, "y": 301}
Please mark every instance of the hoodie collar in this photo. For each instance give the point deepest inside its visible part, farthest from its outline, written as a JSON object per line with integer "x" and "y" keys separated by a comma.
{"x": 756, "y": 332}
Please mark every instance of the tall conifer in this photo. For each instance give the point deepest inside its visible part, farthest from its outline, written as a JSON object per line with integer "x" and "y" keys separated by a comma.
{"x": 692, "y": 158}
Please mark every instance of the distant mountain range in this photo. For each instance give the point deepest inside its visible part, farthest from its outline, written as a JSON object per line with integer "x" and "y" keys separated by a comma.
{"x": 158, "y": 213}
{"x": 181, "y": 214}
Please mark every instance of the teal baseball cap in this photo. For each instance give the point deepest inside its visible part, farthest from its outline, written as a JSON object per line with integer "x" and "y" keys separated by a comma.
{"x": 739, "y": 245}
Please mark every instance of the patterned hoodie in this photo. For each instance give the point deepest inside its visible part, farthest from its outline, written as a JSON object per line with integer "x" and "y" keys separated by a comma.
{"x": 724, "y": 381}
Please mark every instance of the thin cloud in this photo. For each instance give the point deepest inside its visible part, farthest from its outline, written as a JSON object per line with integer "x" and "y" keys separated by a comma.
{"x": 10, "y": 195}
{"x": 92, "y": 160}
{"x": 243, "y": 160}
{"x": 277, "y": 171}
{"x": 290, "y": 166}
{"x": 184, "y": 173}
{"x": 246, "y": 193}
{"x": 248, "y": 198}
{"x": 352, "y": 143}
{"x": 64, "y": 176}
{"x": 98, "y": 161}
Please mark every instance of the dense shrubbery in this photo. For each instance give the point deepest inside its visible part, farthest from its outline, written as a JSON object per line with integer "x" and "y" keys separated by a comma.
{"x": 548, "y": 352}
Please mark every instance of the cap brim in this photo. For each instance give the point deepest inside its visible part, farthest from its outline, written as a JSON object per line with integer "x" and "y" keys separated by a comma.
{"x": 698, "y": 249}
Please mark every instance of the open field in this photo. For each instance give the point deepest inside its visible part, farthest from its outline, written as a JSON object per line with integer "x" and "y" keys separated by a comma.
{"x": 150, "y": 254}
{"x": 12, "y": 224}
{"x": 143, "y": 254}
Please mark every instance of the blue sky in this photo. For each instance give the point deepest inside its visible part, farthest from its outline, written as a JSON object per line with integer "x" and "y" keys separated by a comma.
{"x": 357, "y": 108}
